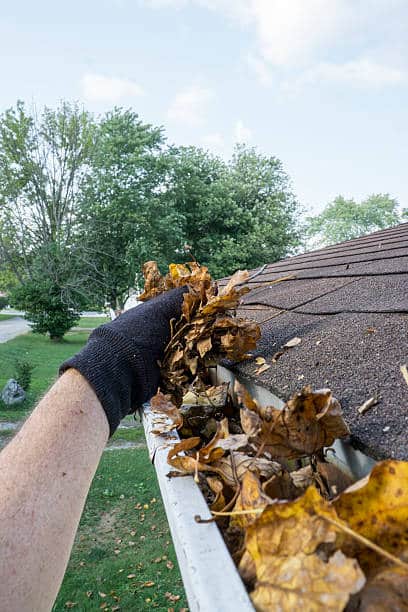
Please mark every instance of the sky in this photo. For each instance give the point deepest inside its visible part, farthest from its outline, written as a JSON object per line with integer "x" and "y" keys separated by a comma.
{"x": 320, "y": 84}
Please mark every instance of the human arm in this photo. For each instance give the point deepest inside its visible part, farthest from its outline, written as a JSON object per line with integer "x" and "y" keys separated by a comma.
{"x": 46, "y": 471}
{"x": 45, "y": 474}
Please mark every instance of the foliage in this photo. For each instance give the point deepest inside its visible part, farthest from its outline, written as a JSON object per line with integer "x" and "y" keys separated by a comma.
{"x": 345, "y": 219}
{"x": 52, "y": 296}
{"x": 43, "y": 159}
{"x": 118, "y": 214}
{"x": 205, "y": 332}
{"x": 4, "y": 300}
{"x": 23, "y": 373}
{"x": 234, "y": 215}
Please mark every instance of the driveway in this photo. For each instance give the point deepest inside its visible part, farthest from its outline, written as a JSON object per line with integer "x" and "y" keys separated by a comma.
{"x": 11, "y": 328}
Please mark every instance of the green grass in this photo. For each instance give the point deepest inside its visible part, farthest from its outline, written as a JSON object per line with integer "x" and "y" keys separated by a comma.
{"x": 123, "y": 532}
{"x": 5, "y": 317}
{"x": 92, "y": 322}
{"x": 45, "y": 356}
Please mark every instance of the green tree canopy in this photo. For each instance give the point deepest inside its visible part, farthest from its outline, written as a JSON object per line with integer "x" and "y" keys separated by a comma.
{"x": 43, "y": 159}
{"x": 345, "y": 219}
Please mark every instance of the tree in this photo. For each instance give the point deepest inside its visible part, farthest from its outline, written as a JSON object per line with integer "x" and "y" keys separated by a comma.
{"x": 43, "y": 159}
{"x": 346, "y": 219}
{"x": 124, "y": 222}
{"x": 234, "y": 215}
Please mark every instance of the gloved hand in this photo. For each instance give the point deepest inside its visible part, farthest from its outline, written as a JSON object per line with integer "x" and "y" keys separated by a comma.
{"x": 120, "y": 358}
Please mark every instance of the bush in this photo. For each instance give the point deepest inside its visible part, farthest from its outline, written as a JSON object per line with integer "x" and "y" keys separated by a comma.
{"x": 22, "y": 373}
{"x": 45, "y": 308}
{"x": 3, "y": 301}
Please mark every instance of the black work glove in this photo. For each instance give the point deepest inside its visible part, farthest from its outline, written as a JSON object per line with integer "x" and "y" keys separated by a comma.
{"x": 120, "y": 358}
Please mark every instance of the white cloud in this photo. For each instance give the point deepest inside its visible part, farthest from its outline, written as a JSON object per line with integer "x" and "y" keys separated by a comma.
{"x": 361, "y": 72}
{"x": 296, "y": 39}
{"x": 99, "y": 88}
{"x": 213, "y": 141}
{"x": 241, "y": 132}
{"x": 190, "y": 106}
{"x": 289, "y": 32}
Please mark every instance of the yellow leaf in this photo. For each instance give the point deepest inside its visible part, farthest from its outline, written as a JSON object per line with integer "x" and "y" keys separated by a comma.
{"x": 377, "y": 508}
{"x": 250, "y": 497}
{"x": 260, "y": 360}
{"x": 282, "y": 544}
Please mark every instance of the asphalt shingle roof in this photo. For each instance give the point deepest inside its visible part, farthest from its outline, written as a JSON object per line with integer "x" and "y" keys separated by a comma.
{"x": 349, "y": 305}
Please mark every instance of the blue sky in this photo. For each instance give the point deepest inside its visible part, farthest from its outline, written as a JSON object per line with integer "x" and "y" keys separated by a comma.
{"x": 321, "y": 84}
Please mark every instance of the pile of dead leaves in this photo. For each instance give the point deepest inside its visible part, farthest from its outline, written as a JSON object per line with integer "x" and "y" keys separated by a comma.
{"x": 207, "y": 330}
{"x": 299, "y": 534}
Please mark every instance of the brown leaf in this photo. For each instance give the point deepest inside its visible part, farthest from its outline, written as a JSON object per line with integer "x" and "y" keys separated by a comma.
{"x": 204, "y": 345}
{"x": 154, "y": 281}
{"x": 162, "y": 404}
{"x": 227, "y": 467}
{"x": 309, "y": 421}
{"x": 240, "y": 277}
{"x": 386, "y": 591}
{"x": 292, "y": 343}
{"x": 306, "y": 582}
{"x": 217, "y": 486}
{"x": 262, "y": 369}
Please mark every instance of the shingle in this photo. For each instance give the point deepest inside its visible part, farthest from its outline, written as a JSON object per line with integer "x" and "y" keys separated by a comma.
{"x": 348, "y": 303}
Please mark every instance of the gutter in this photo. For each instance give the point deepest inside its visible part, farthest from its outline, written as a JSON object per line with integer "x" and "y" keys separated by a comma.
{"x": 211, "y": 580}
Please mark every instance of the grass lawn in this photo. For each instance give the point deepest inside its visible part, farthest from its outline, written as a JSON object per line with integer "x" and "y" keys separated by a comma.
{"x": 45, "y": 357}
{"x": 123, "y": 555}
{"x": 5, "y": 317}
{"x": 123, "y": 530}
{"x": 91, "y": 322}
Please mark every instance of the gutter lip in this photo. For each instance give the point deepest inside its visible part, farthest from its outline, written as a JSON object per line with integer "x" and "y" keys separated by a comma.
{"x": 210, "y": 577}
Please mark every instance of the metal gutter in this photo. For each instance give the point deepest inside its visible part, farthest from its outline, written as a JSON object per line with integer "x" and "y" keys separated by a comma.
{"x": 345, "y": 456}
{"x": 210, "y": 578}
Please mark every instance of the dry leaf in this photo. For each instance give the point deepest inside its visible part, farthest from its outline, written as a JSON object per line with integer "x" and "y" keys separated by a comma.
{"x": 260, "y": 360}
{"x": 309, "y": 421}
{"x": 217, "y": 486}
{"x": 305, "y": 582}
{"x": 387, "y": 591}
{"x": 250, "y": 497}
{"x": 281, "y": 544}
{"x": 240, "y": 463}
{"x": 377, "y": 508}
{"x": 163, "y": 405}
{"x": 263, "y": 368}
{"x": 292, "y": 343}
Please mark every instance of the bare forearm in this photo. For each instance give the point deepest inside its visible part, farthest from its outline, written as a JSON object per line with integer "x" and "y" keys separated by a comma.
{"x": 45, "y": 474}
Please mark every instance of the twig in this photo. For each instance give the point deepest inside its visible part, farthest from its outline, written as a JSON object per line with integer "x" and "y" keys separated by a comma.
{"x": 365, "y": 541}
{"x": 404, "y": 372}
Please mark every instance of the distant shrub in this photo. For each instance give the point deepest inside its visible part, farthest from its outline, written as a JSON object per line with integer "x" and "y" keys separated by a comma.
{"x": 3, "y": 301}
{"x": 23, "y": 373}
